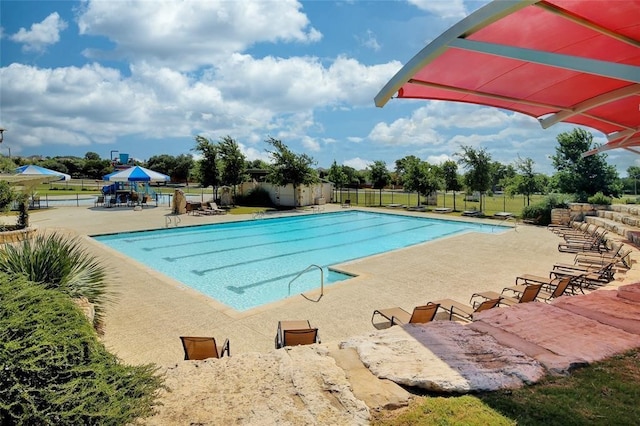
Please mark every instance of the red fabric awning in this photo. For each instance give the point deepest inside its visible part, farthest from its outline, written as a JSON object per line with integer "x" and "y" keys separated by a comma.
{"x": 556, "y": 60}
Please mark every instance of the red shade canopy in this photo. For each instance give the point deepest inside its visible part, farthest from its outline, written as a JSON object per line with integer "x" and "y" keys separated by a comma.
{"x": 556, "y": 60}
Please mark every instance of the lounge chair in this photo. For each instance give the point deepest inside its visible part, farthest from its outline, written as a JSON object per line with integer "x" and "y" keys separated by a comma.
{"x": 211, "y": 205}
{"x": 420, "y": 314}
{"x": 588, "y": 277}
{"x": 99, "y": 201}
{"x": 347, "y": 203}
{"x": 549, "y": 292}
{"x": 203, "y": 348}
{"x": 596, "y": 244}
{"x": 617, "y": 253}
{"x": 535, "y": 221}
{"x": 589, "y": 235}
{"x": 192, "y": 207}
{"x": 293, "y": 333}
{"x": 465, "y": 312}
{"x": 529, "y": 294}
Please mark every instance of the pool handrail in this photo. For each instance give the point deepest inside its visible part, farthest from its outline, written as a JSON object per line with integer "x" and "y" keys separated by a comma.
{"x": 313, "y": 265}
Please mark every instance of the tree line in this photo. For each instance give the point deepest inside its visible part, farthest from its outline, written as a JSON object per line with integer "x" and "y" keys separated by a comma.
{"x": 222, "y": 163}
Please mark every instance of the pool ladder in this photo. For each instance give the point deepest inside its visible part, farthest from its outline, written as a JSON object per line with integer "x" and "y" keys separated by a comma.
{"x": 502, "y": 223}
{"x": 321, "y": 281}
{"x": 167, "y": 221}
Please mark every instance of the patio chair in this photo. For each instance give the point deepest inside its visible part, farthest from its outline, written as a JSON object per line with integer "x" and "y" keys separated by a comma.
{"x": 465, "y": 312}
{"x": 347, "y": 203}
{"x": 294, "y": 333}
{"x": 420, "y": 314}
{"x": 213, "y": 207}
{"x": 596, "y": 244}
{"x": 99, "y": 201}
{"x": 588, "y": 277}
{"x": 203, "y": 348}
{"x": 618, "y": 253}
{"x": 547, "y": 293}
{"x": 529, "y": 294}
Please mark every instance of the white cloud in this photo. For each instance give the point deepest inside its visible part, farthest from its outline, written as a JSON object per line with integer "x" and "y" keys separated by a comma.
{"x": 444, "y": 9}
{"x": 369, "y": 41}
{"x": 310, "y": 144}
{"x": 188, "y": 34}
{"x": 357, "y": 163}
{"x": 41, "y": 35}
{"x": 438, "y": 159}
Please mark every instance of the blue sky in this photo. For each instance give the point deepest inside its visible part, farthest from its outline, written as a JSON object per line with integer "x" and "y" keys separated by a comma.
{"x": 146, "y": 77}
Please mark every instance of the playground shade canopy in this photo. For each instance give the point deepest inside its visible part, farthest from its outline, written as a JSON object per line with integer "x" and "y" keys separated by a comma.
{"x": 136, "y": 174}
{"x": 48, "y": 175}
{"x": 572, "y": 61}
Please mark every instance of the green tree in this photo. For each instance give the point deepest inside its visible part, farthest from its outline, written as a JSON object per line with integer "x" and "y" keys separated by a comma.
{"x": 582, "y": 176}
{"x": 233, "y": 163}
{"x": 477, "y": 162}
{"x": 450, "y": 179}
{"x": 182, "y": 169}
{"x": 7, "y": 165}
{"x": 6, "y": 196}
{"x": 354, "y": 178}
{"x": 421, "y": 177}
{"x": 208, "y": 166}
{"x": 526, "y": 181}
{"x": 634, "y": 173}
{"x": 402, "y": 165}
{"x": 290, "y": 168}
{"x": 379, "y": 176}
{"x": 163, "y": 163}
{"x": 91, "y": 156}
{"x": 95, "y": 169}
{"x": 337, "y": 175}
{"x": 500, "y": 173}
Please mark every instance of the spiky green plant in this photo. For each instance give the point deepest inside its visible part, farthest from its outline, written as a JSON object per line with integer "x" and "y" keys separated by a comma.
{"x": 60, "y": 262}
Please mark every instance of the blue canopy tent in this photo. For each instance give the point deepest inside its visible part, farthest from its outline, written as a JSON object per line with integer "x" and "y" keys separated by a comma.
{"x": 136, "y": 174}
{"x": 133, "y": 176}
{"x": 48, "y": 175}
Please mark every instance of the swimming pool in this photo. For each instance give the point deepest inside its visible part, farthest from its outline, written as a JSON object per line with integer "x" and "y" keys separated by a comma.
{"x": 251, "y": 263}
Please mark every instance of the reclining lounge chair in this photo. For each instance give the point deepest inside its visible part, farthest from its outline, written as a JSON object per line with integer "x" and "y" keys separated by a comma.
{"x": 548, "y": 292}
{"x": 420, "y": 315}
{"x": 528, "y": 294}
{"x": 465, "y": 312}
{"x": 203, "y": 348}
{"x": 293, "y": 333}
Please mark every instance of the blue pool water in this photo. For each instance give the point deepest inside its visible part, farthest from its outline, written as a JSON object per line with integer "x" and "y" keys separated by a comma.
{"x": 248, "y": 264}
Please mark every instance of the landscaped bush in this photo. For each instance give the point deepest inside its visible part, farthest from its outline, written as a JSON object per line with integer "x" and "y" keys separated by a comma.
{"x": 59, "y": 262}
{"x": 599, "y": 198}
{"x": 53, "y": 369}
{"x": 541, "y": 212}
{"x": 259, "y": 197}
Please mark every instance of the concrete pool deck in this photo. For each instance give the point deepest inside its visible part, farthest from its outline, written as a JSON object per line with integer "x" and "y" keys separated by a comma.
{"x": 329, "y": 383}
{"x": 152, "y": 310}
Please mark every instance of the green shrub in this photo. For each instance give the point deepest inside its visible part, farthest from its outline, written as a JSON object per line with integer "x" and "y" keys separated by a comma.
{"x": 6, "y": 196}
{"x": 599, "y": 198}
{"x": 56, "y": 261}
{"x": 54, "y": 369}
{"x": 258, "y": 197}
{"x": 541, "y": 211}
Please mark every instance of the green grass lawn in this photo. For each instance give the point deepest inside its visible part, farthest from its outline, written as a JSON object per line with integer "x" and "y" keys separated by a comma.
{"x": 604, "y": 393}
